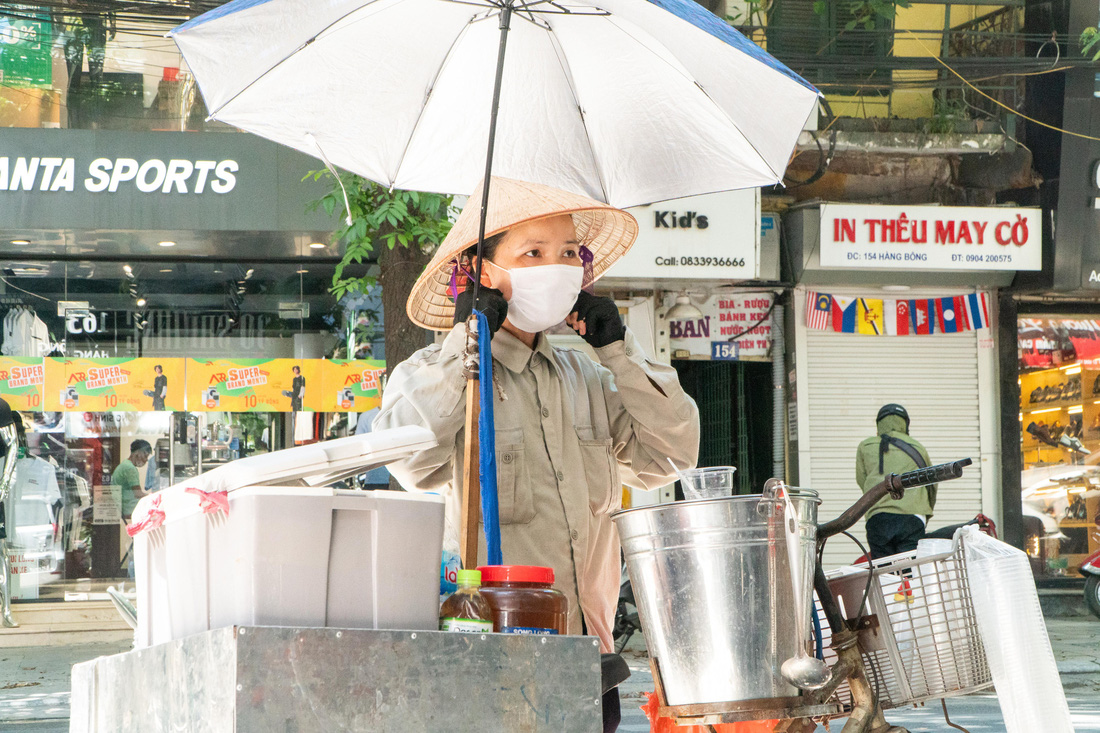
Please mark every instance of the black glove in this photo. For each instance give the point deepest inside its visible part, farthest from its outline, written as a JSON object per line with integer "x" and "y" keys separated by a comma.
{"x": 602, "y": 324}
{"x": 490, "y": 301}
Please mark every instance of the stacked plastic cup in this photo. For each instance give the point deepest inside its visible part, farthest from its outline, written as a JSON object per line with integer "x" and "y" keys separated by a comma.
{"x": 707, "y": 483}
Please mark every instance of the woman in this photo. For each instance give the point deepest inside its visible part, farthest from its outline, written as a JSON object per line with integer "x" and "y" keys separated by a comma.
{"x": 569, "y": 431}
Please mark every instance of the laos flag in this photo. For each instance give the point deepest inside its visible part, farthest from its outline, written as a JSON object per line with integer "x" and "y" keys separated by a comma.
{"x": 951, "y": 315}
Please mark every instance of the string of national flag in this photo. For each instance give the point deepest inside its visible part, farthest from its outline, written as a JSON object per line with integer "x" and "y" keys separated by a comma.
{"x": 914, "y": 317}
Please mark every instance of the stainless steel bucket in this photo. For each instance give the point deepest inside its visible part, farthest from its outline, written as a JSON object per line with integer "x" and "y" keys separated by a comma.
{"x": 714, "y": 593}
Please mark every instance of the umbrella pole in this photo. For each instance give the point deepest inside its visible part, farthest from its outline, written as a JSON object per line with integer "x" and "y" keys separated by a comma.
{"x": 471, "y": 484}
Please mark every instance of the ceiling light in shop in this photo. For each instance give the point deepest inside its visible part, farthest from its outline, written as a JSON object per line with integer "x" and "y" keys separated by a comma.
{"x": 248, "y": 274}
{"x": 140, "y": 302}
{"x": 21, "y": 242}
{"x": 301, "y": 272}
{"x": 167, "y": 269}
{"x": 317, "y": 245}
{"x": 166, "y": 243}
{"x": 128, "y": 270}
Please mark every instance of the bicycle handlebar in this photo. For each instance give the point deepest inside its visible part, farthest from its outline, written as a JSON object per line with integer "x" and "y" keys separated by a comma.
{"x": 894, "y": 485}
{"x": 932, "y": 474}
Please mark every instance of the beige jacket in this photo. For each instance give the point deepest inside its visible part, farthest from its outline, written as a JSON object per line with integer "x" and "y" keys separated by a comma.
{"x": 570, "y": 433}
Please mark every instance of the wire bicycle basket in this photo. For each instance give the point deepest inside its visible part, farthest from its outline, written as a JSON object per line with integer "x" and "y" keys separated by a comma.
{"x": 920, "y": 638}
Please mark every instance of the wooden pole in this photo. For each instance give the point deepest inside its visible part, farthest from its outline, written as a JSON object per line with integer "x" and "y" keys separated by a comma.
{"x": 471, "y": 482}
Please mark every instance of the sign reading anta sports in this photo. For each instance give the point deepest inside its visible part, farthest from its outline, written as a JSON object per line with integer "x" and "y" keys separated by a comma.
{"x": 872, "y": 236}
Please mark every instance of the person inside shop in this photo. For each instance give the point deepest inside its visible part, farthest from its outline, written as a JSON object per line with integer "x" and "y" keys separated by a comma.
{"x": 128, "y": 478}
{"x": 570, "y": 429}
{"x": 160, "y": 388}
{"x": 894, "y": 525}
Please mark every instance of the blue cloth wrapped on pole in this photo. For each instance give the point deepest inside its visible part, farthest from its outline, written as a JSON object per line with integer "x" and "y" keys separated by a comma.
{"x": 486, "y": 441}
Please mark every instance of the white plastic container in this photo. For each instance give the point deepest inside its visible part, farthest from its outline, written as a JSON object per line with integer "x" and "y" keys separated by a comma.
{"x": 290, "y": 555}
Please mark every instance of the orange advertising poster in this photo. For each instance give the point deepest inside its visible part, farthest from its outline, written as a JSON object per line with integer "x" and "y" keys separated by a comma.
{"x": 21, "y": 381}
{"x": 253, "y": 385}
{"x": 113, "y": 385}
{"x": 351, "y": 385}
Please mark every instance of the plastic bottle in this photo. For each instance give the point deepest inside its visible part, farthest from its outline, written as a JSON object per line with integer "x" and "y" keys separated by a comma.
{"x": 466, "y": 610}
{"x": 449, "y": 566}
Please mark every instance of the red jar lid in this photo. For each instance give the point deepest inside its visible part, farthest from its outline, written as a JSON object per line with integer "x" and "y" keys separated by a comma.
{"x": 516, "y": 574}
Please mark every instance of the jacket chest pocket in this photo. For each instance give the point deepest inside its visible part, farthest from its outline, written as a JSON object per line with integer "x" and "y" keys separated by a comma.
{"x": 601, "y": 471}
{"x": 514, "y": 496}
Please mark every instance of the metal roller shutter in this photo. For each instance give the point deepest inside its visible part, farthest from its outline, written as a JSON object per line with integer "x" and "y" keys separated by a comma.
{"x": 849, "y": 377}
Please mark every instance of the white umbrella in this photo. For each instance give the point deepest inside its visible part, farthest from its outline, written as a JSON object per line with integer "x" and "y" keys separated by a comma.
{"x": 627, "y": 101}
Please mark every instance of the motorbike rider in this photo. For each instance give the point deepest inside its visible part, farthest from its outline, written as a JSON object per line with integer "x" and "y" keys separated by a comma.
{"x": 894, "y": 525}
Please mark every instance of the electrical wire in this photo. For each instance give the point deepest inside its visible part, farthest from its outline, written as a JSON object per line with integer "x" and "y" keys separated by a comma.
{"x": 999, "y": 103}
{"x": 16, "y": 287}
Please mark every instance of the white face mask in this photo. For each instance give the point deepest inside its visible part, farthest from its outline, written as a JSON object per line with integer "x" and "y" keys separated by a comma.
{"x": 542, "y": 296}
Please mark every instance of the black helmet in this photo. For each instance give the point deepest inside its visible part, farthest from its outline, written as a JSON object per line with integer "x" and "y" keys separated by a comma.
{"x": 894, "y": 409}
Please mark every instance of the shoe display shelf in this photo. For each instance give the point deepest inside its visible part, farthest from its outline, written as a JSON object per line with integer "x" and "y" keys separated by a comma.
{"x": 1064, "y": 403}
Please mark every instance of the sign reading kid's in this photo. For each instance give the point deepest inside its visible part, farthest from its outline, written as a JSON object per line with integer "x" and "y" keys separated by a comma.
{"x": 253, "y": 385}
{"x": 113, "y": 385}
{"x": 871, "y": 236}
{"x": 351, "y": 386}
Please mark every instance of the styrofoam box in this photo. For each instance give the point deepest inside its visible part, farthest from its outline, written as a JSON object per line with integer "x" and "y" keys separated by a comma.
{"x": 295, "y": 556}
{"x": 291, "y": 551}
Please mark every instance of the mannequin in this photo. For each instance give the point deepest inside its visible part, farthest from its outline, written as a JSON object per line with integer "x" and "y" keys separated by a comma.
{"x": 9, "y": 443}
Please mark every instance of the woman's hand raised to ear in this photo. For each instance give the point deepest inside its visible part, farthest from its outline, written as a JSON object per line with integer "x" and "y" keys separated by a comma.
{"x": 490, "y": 301}
{"x": 597, "y": 320}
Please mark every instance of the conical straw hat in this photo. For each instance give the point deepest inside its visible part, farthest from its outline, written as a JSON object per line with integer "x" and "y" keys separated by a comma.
{"x": 606, "y": 231}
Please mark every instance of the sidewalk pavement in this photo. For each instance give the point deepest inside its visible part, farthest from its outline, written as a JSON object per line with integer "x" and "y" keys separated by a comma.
{"x": 34, "y": 684}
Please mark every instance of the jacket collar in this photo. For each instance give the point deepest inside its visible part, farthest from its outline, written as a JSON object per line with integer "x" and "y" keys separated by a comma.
{"x": 514, "y": 354}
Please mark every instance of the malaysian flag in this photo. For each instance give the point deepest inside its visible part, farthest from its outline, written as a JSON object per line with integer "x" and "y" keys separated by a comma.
{"x": 819, "y": 307}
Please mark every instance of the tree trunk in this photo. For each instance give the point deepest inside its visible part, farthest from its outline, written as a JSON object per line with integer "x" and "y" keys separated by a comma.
{"x": 399, "y": 268}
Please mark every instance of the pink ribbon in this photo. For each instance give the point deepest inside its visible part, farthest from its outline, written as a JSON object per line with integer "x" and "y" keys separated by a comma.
{"x": 153, "y": 519}
{"x": 211, "y": 501}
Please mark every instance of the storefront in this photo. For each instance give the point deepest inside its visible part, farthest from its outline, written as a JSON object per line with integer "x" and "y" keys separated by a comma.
{"x": 701, "y": 279}
{"x": 1058, "y": 312}
{"x": 897, "y": 304}
{"x": 165, "y": 288}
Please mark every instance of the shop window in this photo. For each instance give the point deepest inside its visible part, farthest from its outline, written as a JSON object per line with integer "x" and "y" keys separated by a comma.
{"x": 147, "y": 329}
{"x": 95, "y": 71}
{"x": 1060, "y": 425}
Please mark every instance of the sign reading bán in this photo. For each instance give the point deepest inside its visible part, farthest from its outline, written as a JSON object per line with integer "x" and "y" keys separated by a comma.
{"x": 865, "y": 236}
{"x": 732, "y": 326}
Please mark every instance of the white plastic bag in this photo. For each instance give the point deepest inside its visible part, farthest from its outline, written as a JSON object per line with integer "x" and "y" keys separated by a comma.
{"x": 1015, "y": 636}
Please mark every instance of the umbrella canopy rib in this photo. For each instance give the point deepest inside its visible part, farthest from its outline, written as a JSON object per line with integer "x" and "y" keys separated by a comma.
{"x": 309, "y": 42}
{"x": 428, "y": 97}
{"x": 679, "y": 70}
{"x": 568, "y": 72}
